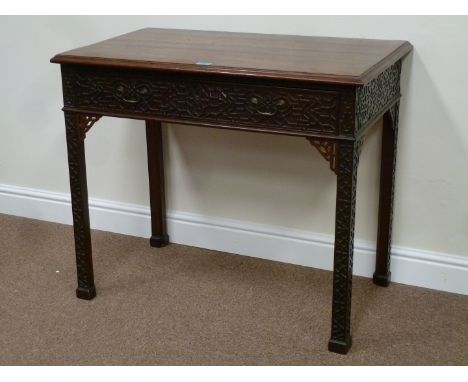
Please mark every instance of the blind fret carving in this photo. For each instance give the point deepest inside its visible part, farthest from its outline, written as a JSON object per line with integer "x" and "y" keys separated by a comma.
{"x": 292, "y": 109}
{"x": 373, "y": 98}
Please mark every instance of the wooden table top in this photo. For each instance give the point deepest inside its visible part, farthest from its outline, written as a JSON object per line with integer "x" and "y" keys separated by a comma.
{"x": 316, "y": 59}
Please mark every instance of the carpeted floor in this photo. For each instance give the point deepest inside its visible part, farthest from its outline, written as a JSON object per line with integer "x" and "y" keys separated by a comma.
{"x": 183, "y": 305}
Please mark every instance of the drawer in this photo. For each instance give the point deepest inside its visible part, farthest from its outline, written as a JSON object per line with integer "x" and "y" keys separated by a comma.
{"x": 207, "y": 101}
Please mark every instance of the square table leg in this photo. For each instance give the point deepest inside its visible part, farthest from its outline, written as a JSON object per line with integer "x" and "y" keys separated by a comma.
{"x": 75, "y": 132}
{"x": 346, "y": 170}
{"x": 159, "y": 236}
{"x": 387, "y": 182}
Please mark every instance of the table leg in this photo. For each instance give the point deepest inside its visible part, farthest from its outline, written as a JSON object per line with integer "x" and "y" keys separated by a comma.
{"x": 159, "y": 236}
{"x": 347, "y": 164}
{"x": 387, "y": 181}
{"x": 75, "y": 132}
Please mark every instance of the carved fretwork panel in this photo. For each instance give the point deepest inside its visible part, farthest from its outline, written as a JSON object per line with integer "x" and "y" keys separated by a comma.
{"x": 348, "y": 112}
{"x": 346, "y": 170}
{"x": 74, "y": 124}
{"x": 375, "y": 97}
{"x": 315, "y": 108}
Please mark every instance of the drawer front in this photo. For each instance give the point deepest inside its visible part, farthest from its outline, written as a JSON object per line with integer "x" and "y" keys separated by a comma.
{"x": 206, "y": 101}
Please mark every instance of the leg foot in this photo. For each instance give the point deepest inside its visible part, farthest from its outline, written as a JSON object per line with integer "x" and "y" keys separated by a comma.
{"x": 382, "y": 279}
{"x": 75, "y": 131}
{"x": 159, "y": 241}
{"x": 387, "y": 183}
{"x": 347, "y": 163}
{"x": 86, "y": 293}
{"x": 159, "y": 237}
{"x": 339, "y": 347}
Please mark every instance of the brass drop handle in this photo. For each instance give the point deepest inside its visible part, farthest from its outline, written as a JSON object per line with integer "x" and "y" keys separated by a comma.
{"x": 270, "y": 113}
{"x": 121, "y": 91}
{"x": 130, "y": 100}
{"x": 255, "y": 101}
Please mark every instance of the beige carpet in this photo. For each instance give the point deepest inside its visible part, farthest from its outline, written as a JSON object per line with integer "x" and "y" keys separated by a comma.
{"x": 182, "y": 305}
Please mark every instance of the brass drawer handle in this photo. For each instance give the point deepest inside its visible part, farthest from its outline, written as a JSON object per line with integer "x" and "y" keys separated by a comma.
{"x": 131, "y": 90}
{"x": 273, "y": 106}
{"x": 269, "y": 113}
{"x": 130, "y": 100}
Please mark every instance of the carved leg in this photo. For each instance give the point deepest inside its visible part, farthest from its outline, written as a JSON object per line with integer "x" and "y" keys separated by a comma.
{"x": 387, "y": 181}
{"x": 159, "y": 236}
{"x": 76, "y": 127}
{"x": 347, "y": 164}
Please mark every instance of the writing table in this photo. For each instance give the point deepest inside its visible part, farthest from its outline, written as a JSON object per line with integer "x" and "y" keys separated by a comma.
{"x": 327, "y": 90}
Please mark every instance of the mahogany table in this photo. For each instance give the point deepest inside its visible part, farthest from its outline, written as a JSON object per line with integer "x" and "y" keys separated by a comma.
{"x": 327, "y": 90}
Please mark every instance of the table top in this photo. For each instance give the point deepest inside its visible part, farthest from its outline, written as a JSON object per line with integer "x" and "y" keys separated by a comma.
{"x": 317, "y": 59}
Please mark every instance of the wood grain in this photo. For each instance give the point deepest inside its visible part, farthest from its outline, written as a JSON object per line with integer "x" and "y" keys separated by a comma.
{"x": 316, "y": 59}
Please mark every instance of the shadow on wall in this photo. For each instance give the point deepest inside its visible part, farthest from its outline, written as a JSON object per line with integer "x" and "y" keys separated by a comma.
{"x": 427, "y": 194}
{"x": 245, "y": 175}
{"x": 284, "y": 181}
{"x": 264, "y": 178}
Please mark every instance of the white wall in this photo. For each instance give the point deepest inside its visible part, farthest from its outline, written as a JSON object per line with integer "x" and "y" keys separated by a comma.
{"x": 252, "y": 177}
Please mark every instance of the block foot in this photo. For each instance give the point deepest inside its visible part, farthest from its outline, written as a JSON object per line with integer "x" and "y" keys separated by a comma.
{"x": 159, "y": 240}
{"x": 382, "y": 279}
{"x": 86, "y": 293}
{"x": 339, "y": 347}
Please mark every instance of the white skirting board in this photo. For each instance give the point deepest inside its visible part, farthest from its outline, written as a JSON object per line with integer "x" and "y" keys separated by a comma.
{"x": 410, "y": 266}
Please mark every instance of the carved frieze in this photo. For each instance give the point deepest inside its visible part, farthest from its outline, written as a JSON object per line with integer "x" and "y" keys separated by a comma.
{"x": 224, "y": 103}
{"x": 375, "y": 97}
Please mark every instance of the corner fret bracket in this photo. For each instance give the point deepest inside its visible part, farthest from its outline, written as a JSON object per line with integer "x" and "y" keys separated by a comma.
{"x": 85, "y": 122}
{"x": 327, "y": 149}
{"x": 359, "y": 144}
{"x": 394, "y": 111}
